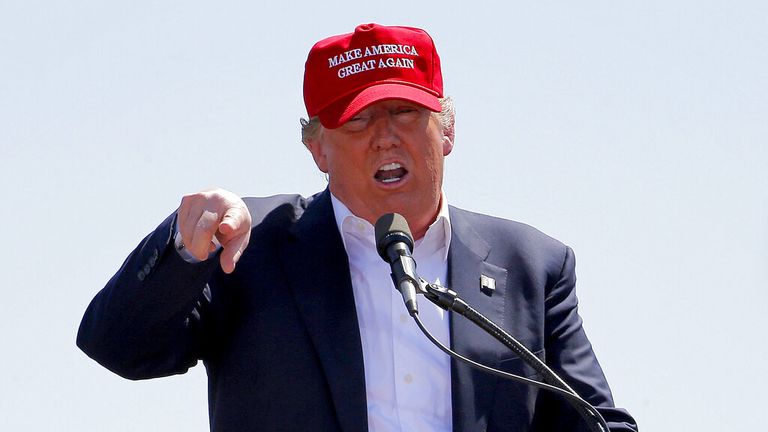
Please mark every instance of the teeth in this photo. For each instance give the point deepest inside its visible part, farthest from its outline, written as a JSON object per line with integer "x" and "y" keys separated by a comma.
{"x": 390, "y": 166}
{"x": 390, "y": 173}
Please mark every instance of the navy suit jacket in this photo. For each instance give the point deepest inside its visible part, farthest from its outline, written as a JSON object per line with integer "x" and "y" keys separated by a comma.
{"x": 280, "y": 339}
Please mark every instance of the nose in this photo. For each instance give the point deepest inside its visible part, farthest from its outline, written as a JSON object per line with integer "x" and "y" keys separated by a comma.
{"x": 385, "y": 134}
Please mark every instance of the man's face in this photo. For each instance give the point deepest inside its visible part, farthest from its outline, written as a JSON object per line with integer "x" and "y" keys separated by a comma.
{"x": 388, "y": 158}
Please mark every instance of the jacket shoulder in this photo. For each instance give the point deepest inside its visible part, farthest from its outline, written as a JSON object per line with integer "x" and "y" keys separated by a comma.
{"x": 495, "y": 229}
{"x": 288, "y": 206}
{"x": 511, "y": 243}
{"x": 279, "y": 210}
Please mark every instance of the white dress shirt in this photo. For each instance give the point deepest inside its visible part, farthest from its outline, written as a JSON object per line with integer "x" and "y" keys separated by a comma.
{"x": 407, "y": 379}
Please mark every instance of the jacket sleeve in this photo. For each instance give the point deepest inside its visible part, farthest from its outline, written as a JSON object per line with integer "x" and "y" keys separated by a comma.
{"x": 569, "y": 353}
{"x": 146, "y": 321}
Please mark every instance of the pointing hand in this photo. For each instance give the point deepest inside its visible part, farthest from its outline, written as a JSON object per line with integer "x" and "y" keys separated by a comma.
{"x": 215, "y": 216}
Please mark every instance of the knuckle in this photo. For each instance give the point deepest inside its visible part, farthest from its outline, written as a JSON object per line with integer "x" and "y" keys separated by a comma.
{"x": 190, "y": 196}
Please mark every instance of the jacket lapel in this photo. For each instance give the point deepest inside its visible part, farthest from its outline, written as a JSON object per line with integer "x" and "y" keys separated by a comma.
{"x": 318, "y": 272}
{"x": 472, "y": 390}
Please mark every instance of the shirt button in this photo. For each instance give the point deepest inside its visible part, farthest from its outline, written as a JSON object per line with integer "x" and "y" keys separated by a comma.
{"x": 403, "y": 317}
{"x": 408, "y": 378}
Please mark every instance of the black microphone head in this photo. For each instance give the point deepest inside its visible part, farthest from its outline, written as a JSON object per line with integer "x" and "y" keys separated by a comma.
{"x": 391, "y": 228}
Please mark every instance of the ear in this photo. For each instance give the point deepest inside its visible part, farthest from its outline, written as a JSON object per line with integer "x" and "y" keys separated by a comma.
{"x": 448, "y": 135}
{"x": 317, "y": 148}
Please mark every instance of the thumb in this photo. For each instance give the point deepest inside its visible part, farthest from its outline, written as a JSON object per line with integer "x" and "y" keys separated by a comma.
{"x": 235, "y": 221}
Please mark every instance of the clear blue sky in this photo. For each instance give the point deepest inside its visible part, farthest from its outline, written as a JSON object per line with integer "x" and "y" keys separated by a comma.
{"x": 635, "y": 132}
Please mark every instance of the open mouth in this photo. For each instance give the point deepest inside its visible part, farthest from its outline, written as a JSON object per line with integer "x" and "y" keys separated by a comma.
{"x": 390, "y": 173}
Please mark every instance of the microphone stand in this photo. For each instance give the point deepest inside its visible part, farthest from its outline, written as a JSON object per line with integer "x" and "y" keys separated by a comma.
{"x": 449, "y": 300}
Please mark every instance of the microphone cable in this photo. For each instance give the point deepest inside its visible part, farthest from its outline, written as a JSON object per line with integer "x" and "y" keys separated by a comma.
{"x": 597, "y": 423}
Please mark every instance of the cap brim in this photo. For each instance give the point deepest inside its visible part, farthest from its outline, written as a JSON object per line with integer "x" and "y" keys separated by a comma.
{"x": 345, "y": 108}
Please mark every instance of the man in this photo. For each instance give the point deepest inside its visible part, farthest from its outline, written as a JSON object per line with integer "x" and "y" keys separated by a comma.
{"x": 292, "y": 311}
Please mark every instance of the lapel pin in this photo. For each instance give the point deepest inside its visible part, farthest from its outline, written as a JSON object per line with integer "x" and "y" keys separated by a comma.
{"x": 487, "y": 285}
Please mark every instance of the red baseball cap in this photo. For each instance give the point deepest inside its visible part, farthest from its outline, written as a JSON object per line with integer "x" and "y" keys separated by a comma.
{"x": 346, "y": 73}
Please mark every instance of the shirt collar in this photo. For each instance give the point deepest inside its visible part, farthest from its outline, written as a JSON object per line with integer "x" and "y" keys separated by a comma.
{"x": 438, "y": 235}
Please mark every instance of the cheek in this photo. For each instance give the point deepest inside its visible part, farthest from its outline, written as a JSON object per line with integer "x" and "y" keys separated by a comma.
{"x": 346, "y": 166}
{"x": 435, "y": 155}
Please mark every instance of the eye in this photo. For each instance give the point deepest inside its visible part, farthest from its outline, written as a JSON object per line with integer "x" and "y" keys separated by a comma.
{"x": 406, "y": 110}
{"x": 407, "y": 114}
{"x": 356, "y": 123}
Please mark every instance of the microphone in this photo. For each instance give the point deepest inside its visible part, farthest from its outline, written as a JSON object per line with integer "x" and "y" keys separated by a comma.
{"x": 394, "y": 243}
